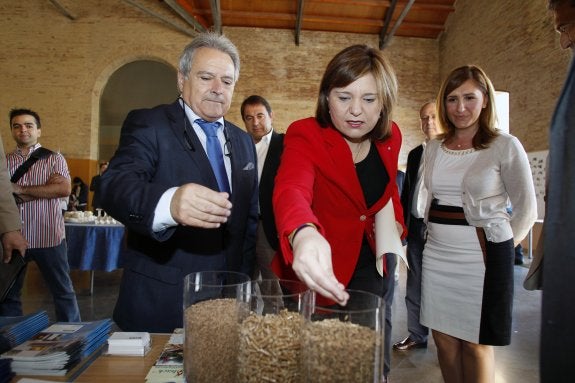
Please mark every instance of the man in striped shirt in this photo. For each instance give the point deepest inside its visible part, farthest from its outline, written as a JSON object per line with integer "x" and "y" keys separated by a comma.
{"x": 38, "y": 193}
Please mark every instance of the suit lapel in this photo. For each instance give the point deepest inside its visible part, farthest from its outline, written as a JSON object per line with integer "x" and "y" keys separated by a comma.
{"x": 195, "y": 152}
{"x": 272, "y": 157}
{"x": 239, "y": 162}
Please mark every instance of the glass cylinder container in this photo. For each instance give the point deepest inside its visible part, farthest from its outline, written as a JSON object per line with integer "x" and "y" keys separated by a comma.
{"x": 343, "y": 343}
{"x": 269, "y": 343}
{"x": 215, "y": 302}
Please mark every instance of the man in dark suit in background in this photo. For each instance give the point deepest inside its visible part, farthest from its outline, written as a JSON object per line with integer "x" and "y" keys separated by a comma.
{"x": 258, "y": 117}
{"x": 184, "y": 182}
{"x": 95, "y": 186}
{"x": 558, "y": 315}
{"x": 413, "y": 199}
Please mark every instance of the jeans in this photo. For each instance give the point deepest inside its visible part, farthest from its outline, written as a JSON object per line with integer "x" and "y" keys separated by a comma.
{"x": 53, "y": 264}
{"x": 415, "y": 244}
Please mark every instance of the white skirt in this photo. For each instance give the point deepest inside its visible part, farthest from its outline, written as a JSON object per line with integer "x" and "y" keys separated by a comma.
{"x": 452, "y": 281}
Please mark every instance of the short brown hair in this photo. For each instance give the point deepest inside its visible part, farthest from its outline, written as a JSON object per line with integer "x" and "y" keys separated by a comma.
{"x": 24, "y": 111}
{"x": 349, "y": 65}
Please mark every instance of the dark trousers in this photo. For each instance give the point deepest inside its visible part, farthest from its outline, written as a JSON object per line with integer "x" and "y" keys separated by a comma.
{"x": 415, "y": 244}
{"x": 53, "y": 264}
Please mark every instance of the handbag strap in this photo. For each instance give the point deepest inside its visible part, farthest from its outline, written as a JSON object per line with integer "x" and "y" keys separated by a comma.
{"x": 35, "y": 156}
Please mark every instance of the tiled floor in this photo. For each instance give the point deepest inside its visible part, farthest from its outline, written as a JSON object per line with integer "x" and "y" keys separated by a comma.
{"x": 518, "y": 362}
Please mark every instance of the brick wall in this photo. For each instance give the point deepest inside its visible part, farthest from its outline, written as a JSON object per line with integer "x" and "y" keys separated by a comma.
{"x": 59, "y": 67}
{"x": 515, "y": 43}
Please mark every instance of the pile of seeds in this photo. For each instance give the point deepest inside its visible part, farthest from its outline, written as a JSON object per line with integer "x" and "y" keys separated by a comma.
{"x": 335, "y": 351}
{"x": 210, "y": 352}
{"x": 269, "y": 348}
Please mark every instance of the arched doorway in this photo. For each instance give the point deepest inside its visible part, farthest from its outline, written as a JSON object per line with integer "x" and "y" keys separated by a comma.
{"x": 139, "y": 84}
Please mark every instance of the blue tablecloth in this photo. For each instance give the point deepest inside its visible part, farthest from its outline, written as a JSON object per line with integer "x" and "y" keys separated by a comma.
{"x": 94, "y": 247}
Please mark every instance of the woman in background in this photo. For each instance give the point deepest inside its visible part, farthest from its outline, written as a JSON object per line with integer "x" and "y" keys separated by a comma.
{"x": 472, "y": 172}
{"x": 338, "y": 169}
{"x": 79, "y": 196}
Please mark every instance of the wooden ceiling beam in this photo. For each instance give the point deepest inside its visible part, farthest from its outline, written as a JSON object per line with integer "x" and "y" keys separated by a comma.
{"x": 198, "y": 15}
{"x": 321, "y": 19}
{"x": 385, "y": 4}
{"x": 184, "y": 14}
{"x": 162, "y": 18}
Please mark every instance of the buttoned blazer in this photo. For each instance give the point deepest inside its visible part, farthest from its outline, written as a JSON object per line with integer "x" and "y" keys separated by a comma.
{"x": 317, "y": 183}
{"x": 153, "y": 156}
{"x": 269, "y": 171}
{"x": 410, "y": 181}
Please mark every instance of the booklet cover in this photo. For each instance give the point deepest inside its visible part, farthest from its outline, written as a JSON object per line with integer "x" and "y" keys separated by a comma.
{"x": 16, "y": 330}
{"x": 169, "y": 367}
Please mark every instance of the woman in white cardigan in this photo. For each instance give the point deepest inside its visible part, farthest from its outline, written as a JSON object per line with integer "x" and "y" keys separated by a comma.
{"x": 473, "y": 173}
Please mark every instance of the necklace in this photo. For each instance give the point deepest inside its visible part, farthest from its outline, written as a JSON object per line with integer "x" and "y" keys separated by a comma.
{"x": 357, "y": 152}
{"x": 458, "y": 152}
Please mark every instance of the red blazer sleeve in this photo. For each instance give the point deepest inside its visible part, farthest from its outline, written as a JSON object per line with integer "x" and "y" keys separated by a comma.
{"x": 293, "y": 190}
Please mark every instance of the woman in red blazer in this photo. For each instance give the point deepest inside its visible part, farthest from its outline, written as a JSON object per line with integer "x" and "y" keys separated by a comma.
{"x": 337, "y": 171}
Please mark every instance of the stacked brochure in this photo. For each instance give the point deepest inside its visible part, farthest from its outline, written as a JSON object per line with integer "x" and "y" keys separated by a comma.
{"x": 169, "y": 367}
{"x": 129, "y": 343}
{"x": 17, "y": 330}
{"x": 60, "y": 348}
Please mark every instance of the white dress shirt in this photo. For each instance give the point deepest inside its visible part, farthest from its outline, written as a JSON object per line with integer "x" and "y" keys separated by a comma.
{"x": 262, "y": 150}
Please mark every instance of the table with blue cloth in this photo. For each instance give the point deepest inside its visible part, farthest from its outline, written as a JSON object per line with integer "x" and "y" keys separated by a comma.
{"x": 94, "y": 247}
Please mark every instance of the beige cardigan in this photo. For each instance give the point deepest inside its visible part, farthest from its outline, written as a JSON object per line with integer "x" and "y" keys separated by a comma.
{"x": 500, "y": 174}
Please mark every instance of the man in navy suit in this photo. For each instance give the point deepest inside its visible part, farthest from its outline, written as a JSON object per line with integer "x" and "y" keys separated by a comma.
{"x": 161, "y": 184}
{"x": 413, "y": 199}
{"x": 258, "y": 117}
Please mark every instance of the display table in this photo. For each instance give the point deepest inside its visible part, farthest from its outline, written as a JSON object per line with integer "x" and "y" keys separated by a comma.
{"x": 94, "y": 247}
{"x": 118, "y": 369}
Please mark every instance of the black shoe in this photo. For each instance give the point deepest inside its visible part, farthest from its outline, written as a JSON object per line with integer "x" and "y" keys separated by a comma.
{"x": 518, "y": 261}
{"x": 407, "y": 344}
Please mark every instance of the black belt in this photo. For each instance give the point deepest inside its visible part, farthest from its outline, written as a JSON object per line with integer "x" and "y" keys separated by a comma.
{"x": 447, "y": 215}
